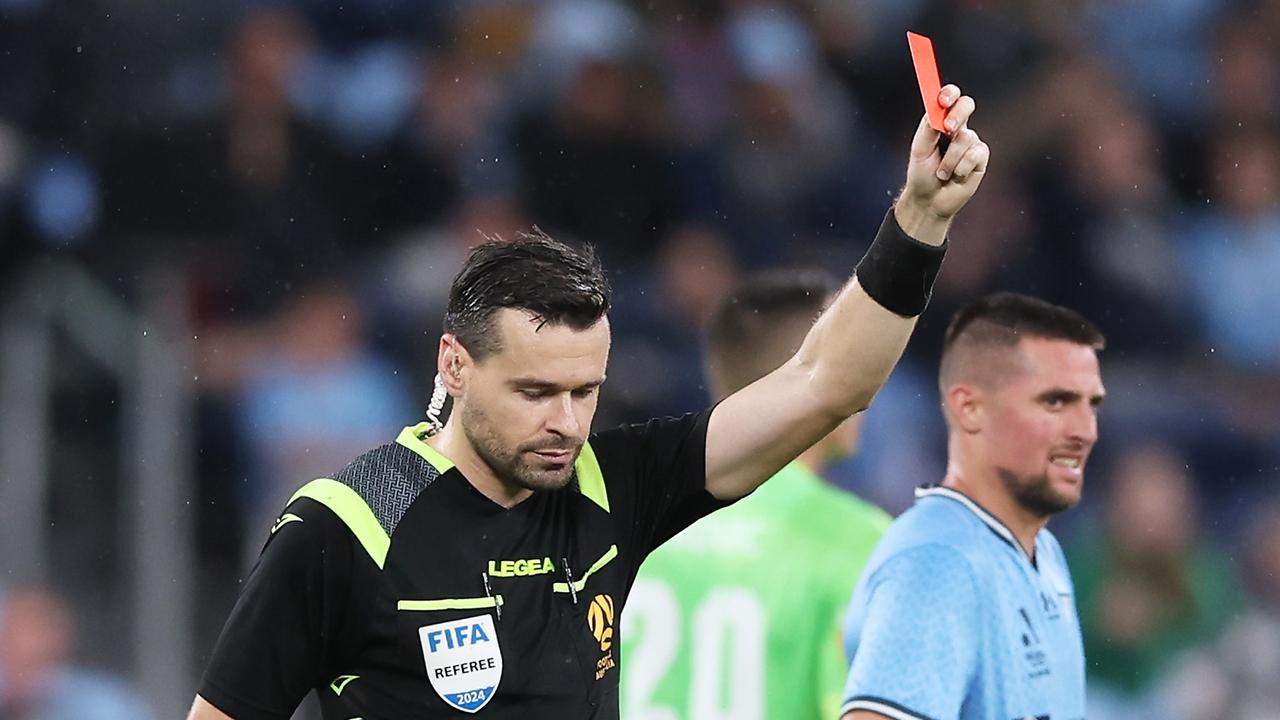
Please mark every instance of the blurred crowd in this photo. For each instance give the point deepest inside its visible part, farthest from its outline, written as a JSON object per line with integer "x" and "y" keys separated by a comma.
{"x": 314, "y": 171}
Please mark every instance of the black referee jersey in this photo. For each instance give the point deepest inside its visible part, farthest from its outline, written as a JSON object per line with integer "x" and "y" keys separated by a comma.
{"x": 398, "y": 591}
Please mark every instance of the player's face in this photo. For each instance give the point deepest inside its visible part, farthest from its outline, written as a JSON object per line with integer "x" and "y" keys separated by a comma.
{"x": 528, "y": 408}
{"x": 1043, "y": 423}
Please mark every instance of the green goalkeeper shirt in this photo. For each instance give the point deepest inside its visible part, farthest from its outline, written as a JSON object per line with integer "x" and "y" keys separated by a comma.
{"x": 740, "y": 615}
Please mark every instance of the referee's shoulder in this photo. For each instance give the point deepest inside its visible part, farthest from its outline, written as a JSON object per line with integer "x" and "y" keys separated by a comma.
{"x": 306, "y": 528}
{"x": 379, "y": 479}
{"x": 367, "y": 499}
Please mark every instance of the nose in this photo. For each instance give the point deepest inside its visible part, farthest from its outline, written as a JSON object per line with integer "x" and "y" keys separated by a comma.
{"x": 563, "y": 420}
{"x": 1084, "y": 426}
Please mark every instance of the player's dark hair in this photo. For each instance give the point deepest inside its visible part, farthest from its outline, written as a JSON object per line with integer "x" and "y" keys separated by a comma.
{"x": 1002, "y": 319}
{"x": 533, "y": 272}
{"x": 1006, "y": 317}
{"x": 761, "y": 323}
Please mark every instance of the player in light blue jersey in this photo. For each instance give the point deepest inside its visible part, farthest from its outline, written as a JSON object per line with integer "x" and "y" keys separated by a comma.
{"x": 965, "y": 610}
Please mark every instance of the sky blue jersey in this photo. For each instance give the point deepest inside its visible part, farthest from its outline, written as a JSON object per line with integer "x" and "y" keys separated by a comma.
{"x": 952, "y": 621}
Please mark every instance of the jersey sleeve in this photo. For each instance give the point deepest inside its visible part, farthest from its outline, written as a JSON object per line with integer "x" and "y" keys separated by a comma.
{"x": 285, "y": 629}
{"x": 914, "y": 636}
{"x": 656, "y": 478}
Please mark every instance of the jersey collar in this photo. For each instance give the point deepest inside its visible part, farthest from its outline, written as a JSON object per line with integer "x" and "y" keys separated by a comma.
{"x": 991, "y": 521}
{"x": 414, "y": 437}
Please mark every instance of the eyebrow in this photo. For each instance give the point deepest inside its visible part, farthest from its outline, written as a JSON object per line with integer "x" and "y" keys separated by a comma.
{"x": 1069, "y": 396}
{"x": 536, "y": 384}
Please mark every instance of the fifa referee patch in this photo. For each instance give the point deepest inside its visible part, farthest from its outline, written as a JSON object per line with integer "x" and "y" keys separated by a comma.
{"x": 464, "y": 662}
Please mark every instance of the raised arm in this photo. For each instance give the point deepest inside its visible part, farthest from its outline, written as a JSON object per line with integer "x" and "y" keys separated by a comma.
{"x": 853, "y": 347}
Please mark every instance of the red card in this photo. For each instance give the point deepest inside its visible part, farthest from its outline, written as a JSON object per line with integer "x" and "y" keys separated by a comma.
{"x": 927, "y": 75}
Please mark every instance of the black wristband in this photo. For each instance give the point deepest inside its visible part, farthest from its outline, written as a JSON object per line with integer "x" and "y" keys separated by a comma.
{"x": 898, "y": 271}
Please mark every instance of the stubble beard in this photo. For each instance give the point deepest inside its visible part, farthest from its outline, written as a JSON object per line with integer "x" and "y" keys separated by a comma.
{"x": 1035, "y": 494}
{"x": 512, "y": 466}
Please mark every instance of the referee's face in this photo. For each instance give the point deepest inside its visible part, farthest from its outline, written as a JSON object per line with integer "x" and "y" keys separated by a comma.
{"x": 1043, "y": 423}
{"x": 527, "y": 409}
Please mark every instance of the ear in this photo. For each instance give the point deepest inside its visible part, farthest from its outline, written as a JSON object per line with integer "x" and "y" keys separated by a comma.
{"x": 966, "y": 406}
{"x": 451, "y": 361}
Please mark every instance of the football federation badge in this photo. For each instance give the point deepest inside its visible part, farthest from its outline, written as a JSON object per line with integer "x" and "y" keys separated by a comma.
{"x": 463, "y": 661}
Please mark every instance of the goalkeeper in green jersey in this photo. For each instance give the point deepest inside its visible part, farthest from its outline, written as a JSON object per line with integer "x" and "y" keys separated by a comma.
{"x": 740, "y": 615}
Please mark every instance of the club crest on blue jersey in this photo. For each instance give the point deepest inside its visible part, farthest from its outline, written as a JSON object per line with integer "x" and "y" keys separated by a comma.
{"x": 464, "y": 662}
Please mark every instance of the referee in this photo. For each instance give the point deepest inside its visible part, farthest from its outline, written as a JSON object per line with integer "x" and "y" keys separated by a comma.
{"x": 480, "y": 567}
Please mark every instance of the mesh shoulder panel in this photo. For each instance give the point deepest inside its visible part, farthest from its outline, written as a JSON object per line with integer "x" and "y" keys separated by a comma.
{"x": 389, "y": 478}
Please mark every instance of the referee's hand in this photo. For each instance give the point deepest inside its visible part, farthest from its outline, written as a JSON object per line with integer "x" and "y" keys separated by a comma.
{"x": 937, "y": 185}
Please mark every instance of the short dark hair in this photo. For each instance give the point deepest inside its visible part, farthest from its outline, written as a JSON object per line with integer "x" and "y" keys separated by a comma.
{"x": 1000, "y": 320}
{"x": 761, "y": 323}
{"x": 533, "y": 272}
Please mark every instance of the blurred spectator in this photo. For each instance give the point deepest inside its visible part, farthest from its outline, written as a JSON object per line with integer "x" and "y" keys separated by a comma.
{"x": 1162, "y": 48}
{"x": 1000, "y": 254}
{"x": 1235, "y": 678}
{"x": 593, "y": 163}
{"x": 314, "y": 399}
{"x": 698, "y": 68}
{"x": 409, "y": 285}
{"x": 38, "y": 680}
{"x": 1110, "y": 215}
{"x": 788, "y": 162}
{"x": 408, "y": 180}
{"x": 657, "y": 355}
{"x": 249, "y": 192}
{"x": 1245, "y": 81}
{"x": 1230, "y": 250}
{"x": 1150, "y": 585}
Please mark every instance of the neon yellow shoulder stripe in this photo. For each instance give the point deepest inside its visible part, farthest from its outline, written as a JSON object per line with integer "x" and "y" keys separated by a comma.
{"x": 578, "y": 585}
{"x": 352, "y": 510}
{"x": 411, "y": 437}
{"x": 590, "y": 477}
